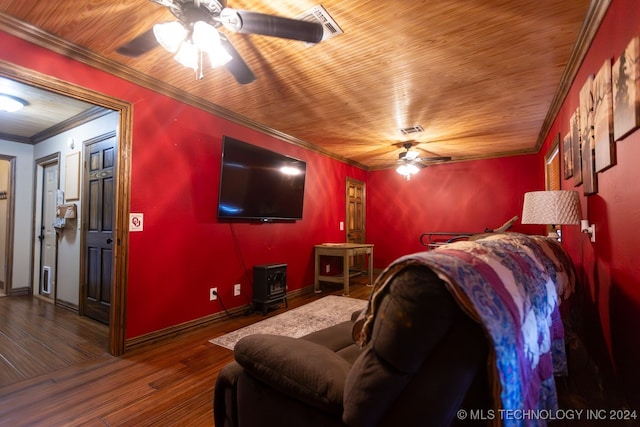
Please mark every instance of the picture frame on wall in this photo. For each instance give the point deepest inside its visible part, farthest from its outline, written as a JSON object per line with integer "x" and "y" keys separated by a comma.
{"x": 604, "y": 146}
{"x": 589, "y": 179}
{"x": 574, "y": 127}
{"x": 72, "y": 176}
{"x": 625, "y": 75}
{"x": 567, "y": 156}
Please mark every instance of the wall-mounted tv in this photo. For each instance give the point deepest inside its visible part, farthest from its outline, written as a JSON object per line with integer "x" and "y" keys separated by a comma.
{"x": 259, "y": 184}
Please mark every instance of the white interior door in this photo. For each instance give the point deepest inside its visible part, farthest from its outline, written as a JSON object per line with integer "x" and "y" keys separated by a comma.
{"x": 48, "y": 237}
{"x": 5, "y": 172}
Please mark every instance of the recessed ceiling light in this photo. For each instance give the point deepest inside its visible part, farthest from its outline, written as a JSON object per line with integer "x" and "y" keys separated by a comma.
{"x": 10, "y": 103}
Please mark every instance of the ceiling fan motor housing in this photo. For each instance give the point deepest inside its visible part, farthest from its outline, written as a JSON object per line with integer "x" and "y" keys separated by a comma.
{"x": 190, "y": 11}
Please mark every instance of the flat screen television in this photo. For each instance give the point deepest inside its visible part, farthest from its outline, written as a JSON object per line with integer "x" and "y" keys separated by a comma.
{"x": 259, "y": 184}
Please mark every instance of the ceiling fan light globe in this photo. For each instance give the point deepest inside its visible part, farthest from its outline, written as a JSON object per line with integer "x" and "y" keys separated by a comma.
{"x": 170, "y": 35}
{"x": 187, "y": 55}
{"x": 411, "y": 155}
{"x": 219, "y": 57}
{"x": 407, "y": 169}
{"x": 205, "y": 37}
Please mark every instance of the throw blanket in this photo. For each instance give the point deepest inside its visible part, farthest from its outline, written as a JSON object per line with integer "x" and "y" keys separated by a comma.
{"x": 511, "y": 284}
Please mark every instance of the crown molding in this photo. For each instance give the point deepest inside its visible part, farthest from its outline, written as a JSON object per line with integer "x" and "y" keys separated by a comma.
{"x": 51, "y": 42}
{"x": 590, "y": 26}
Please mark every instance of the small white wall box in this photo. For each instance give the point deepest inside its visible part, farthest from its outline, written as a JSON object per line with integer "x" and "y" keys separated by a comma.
{"x": 67, "y": 211}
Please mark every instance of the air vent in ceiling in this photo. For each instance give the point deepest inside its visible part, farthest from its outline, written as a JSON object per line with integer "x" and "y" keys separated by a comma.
{"x": 411, "y": 129}
{"x": 320, "y": 14}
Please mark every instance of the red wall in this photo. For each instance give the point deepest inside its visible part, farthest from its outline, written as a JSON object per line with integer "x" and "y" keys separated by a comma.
{"x": 454, "y": 197}
{"x": 609, "y": 268}
{"x": 184, "y": 250}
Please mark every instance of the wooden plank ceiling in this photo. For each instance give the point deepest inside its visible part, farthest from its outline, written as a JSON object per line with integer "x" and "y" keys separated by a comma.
{"x": 479, "y": 76}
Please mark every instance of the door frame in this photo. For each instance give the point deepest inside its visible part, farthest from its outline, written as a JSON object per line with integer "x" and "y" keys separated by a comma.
{"x": 117, "y": 326}
{"x": 11, "y": 207}
{"x": 552, "y": 173}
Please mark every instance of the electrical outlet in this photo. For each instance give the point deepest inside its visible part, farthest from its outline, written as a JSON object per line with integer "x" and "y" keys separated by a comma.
{"x": 213, "y": 294}
{"x": 236, "y": 289}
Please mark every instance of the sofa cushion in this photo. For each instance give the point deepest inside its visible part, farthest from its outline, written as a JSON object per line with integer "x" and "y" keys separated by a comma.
{"x": 334, "y": 337}
{"x": 301, "y": 369}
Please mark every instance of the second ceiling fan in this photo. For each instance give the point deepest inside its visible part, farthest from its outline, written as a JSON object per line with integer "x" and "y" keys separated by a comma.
{"x": 411, "y": 162}
{"x": 413, "y": 156}
{"x": 195, "y": 32}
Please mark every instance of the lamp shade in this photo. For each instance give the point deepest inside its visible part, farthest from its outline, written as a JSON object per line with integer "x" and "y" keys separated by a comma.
{"x": 551, "y": 207}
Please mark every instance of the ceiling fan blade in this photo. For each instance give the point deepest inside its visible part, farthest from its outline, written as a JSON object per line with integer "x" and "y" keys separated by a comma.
{"x": 243, "y": 21}
{"x": 237, "y": 67}
{"x": 435, "y": 159}
{"x": 139, "y": 45}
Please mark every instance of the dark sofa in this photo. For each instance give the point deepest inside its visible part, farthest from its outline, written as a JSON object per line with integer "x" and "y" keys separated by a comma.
{"x": 426, "y": 345}
{"x": 427, "y": 357}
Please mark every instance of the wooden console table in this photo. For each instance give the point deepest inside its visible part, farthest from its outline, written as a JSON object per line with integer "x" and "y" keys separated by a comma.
{"x": 344, "y": 250}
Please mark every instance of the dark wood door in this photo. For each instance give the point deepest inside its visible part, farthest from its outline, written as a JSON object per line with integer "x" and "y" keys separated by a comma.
{"x": 355, "y": 211}
{"x": 356, "y": 224}
{"x": 99, "y": 206}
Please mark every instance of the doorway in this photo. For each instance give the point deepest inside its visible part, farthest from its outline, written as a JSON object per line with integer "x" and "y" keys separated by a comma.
{"x": 6, "y": 223}
{"x": 117, "y": 327}
{"x": 552, "y": 175}
{"x": 356, "y": 219}
{"x": 356, "y": 224}
{"x": 46, "y": 239}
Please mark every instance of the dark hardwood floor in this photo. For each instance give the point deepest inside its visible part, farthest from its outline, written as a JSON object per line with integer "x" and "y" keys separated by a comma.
{"x": 55, "y": 369}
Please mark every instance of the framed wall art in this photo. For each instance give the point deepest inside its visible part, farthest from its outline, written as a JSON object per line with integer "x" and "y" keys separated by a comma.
{"x": 604, "y": 147}
{"x": 72, "y": 176}
{"x": 574, "y": 127}
{"x": 626, "y": 90}
{"x": 589, "y": 179}
{"x": 567, "y": 156}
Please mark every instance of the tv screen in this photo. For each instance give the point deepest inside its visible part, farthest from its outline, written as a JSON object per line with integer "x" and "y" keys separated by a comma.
{"x": 259, "y": 184}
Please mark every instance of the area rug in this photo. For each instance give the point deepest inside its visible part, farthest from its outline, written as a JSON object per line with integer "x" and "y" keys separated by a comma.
{"x": 316, "y": 315}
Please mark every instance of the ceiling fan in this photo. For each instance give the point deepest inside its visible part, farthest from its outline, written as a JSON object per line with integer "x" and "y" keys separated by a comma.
{"x": 411, "y": 162}
{"x": 195, "y": 32}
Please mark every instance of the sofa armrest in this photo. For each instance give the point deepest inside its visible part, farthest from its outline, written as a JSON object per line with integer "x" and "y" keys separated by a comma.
{"x": 225, "y": 410}
{"x": 298, "y": 368}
